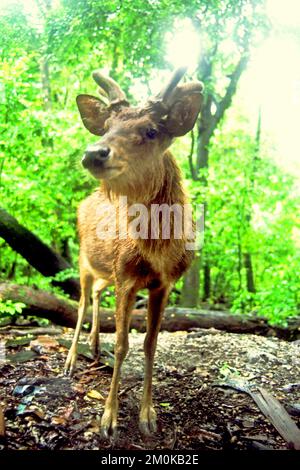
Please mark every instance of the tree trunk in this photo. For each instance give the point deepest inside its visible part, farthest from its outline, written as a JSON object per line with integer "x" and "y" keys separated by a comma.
{"x": 191, "y": 280}
{"x": 37, "y": 253}
{"x": 247, "y": 255}
{"x": 206, "y": 282}
{"x": 66, "y": 252}
{"x": 207, "y": 124}
{"x": 44, "y": 67}
{"x": 202, "y": 155}
{"x": 240, "y": 260}
{"x": 190, "y": 290}
{"x": 249, "y": 273}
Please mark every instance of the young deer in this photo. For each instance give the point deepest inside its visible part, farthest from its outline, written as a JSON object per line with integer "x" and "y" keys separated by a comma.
{"x": 133, "y": 161}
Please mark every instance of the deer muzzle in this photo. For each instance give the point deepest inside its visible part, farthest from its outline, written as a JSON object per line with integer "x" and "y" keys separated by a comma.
{"x": 95, "y": 157}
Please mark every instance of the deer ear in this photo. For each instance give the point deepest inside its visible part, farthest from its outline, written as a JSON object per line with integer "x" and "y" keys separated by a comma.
{"x": 185, "y": 107}
{"x": 93, "y": 113}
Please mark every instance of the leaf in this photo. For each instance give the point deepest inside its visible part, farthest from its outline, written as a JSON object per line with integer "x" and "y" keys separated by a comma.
{"x": 82, "y": 349}
{"x": 31, "y": 411}
{"x": 79, "y": 388}
{"x": 95, "y": 394}
{"x": 58, "y": 420}
{"x": 23, "y": 390}
{"x": 22, "y": 356}
{"x": 20, "y": 341}
{"x": 42, "y": 343}
{"x": 106, "y": 356}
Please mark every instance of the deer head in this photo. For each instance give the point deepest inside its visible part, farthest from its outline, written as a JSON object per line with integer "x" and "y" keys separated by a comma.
{"x": 135, "y": 139}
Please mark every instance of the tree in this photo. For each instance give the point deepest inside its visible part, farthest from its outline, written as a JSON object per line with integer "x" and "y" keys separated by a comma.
{"x": 220, "y": 68}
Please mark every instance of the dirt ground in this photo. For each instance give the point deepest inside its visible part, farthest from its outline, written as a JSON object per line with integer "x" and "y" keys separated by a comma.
{"x": 45, "y": 410}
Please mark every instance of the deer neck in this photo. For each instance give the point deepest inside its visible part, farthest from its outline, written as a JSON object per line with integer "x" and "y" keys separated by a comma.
{"x": 169, "y": 193}
{"x": 165, "y": 187}
{"x": 170, "y": 190}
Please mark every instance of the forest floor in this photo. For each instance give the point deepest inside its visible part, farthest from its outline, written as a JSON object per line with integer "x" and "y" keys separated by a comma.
{"x": 45, "y": 410}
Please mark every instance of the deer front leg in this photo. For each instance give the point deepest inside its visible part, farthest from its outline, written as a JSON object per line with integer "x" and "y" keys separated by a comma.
{"x": 86, "y": 284}
{"x": 98, "y": 287}
{"x": 125, "y": 300}
{"x": 157, "y": 301}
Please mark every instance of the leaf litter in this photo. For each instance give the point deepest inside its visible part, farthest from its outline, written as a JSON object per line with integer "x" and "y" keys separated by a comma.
{"x": 42, "y": 409}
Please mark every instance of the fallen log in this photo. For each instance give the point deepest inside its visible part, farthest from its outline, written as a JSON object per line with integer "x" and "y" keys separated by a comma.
{"x": 40, "y": 303}
{"x": 64, "y": 312}
{"x": 39, "y": 255}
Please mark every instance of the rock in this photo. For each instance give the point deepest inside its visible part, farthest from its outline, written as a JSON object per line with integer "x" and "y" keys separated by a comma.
{"x": 255, "y": 356}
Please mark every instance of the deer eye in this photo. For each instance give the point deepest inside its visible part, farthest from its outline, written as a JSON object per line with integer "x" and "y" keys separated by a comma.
{"x": 151, "y": 133}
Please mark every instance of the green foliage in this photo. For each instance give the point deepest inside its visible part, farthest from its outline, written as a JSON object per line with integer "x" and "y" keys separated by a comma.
{"x": 254, "y": 209}
{"x": 8, "y": 307}
{"x": 66, "y": 274}
{"x": 226, "y": 372}
{"x": 108, "y": 298}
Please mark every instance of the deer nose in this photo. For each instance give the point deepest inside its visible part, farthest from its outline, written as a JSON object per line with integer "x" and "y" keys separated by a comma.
{"x": 95, "y": 156}
{"x": 103, "y": 153}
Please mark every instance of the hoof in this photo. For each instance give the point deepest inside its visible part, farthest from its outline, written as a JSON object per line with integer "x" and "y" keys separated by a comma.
{"x": 70, "y": 364}
{"x": 110, "y": 433}
{"x": 147, "y": 424}
{"x": 109, "y": 428}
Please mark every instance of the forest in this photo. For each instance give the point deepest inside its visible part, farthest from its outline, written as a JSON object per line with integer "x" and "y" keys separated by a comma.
{"x": 233, "y": 164}
{"x": 250, "y": 258}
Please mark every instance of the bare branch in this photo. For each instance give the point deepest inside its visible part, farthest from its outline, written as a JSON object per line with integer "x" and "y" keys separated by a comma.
{"x": 225, "y": 102}
{"x": 190, "y": 157}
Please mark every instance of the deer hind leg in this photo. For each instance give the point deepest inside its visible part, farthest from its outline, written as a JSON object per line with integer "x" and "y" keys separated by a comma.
{"x": 86, "y": 284}
{"x": 98, "y": 287}
{"x": 157, "y": 302}
{"x": 125, "y": 300}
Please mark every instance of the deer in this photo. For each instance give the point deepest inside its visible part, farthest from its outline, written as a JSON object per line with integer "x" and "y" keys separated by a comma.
{"x": 131, "y": 159}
